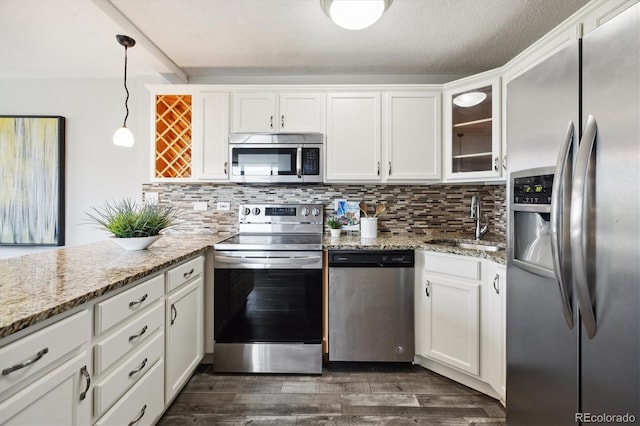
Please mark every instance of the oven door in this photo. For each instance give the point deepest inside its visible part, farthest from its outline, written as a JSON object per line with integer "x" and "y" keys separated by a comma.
{"x": 276, "y": 163}
{"x": 268, "y": 297}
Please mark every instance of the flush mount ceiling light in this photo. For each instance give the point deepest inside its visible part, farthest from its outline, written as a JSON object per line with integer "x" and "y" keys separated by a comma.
{"x": 355, "y": 14}
{"x": 469, "y": 99}
{"x": 123, "y": 136}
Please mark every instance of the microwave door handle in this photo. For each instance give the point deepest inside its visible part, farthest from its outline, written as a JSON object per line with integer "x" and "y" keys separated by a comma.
{"x": 560, "y": 208}
{"x": 581, "y": 229}
{"x": 299, "y": 161}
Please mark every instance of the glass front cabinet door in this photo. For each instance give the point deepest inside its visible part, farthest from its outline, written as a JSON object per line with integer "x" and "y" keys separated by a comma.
{"x": 472, "y": 130}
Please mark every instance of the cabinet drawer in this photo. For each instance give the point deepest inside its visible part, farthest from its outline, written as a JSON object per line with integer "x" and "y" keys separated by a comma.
{"x": 452, "y": 265}
{"x": 129, "y": 336}
{"x": 132, "y": 369}
{"x": 183, "y": 273}
{"x": 42, "y": 348}
{"x": 113, "y": 310}
{"x": 144, "y": 402}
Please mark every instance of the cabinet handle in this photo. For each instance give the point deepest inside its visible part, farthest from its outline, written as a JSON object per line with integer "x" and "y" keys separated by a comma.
{"x": 378, "y": 168}
{"x": 173, "y": 311}
{"x": 137, "y": 419}
{"x": 282, "y": 121}
{"x": 389, "y": 168}
{"x": 426, "y": 287}
{"x": 87, "y": 380}
{"x": 271, "y": 121}
{"x": 139, "y": 369}
{"x": 495, "y": 164}
{"x": 26, "y": 363}
{"x": 139, "y": 301}
{"x": 504, "y": 162}
{"x": 186, "y": 275}
{"x": 225, "y": 168}
{"x": 136, "y": 336}
{"x": 496, "y": 285}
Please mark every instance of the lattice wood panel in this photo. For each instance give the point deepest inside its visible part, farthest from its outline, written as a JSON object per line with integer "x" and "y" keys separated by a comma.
{"x": 173, "y": 136}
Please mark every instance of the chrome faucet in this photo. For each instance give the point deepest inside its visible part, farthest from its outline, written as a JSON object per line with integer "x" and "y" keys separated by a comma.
{"x": 476, "y": 213}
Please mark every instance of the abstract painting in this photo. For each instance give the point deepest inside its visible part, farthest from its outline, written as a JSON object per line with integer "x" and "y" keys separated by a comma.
{"x": 32, "y": 180}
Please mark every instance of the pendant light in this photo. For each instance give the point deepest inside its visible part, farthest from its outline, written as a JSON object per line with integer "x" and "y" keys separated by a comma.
{"x": 355, "y": 14}
{"x": 123, "y": 136}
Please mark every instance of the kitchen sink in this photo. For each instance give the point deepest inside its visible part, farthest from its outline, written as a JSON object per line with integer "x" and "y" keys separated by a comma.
{"x": 470, "y": 245}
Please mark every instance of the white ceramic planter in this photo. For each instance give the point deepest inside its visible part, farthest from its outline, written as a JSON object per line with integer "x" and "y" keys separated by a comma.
{"x": 335, "y": 232}
{"x": 138, "y": 243}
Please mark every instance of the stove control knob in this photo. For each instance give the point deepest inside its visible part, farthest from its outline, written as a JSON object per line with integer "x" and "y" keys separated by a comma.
{"x": 247, "y": 211}
{"x": 256, "y": 211}
{"x": 315, "y": 211}
{"x": 305, "y": 211}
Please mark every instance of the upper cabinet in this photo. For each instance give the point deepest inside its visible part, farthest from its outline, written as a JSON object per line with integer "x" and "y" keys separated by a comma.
{"x": 383, "y": 136}
{"x": 173, "y": 132}
{"x": 267, "y": 112}
{"x": 211, "y": 153}
{"x": 472, "y": 128}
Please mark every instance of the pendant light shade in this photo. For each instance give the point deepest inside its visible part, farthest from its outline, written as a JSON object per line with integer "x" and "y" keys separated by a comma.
{"x": 355, "y": 14}
{"x": 123, "y": 136}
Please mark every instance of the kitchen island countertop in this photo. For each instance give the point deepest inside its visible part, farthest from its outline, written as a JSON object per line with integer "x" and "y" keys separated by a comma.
{"x": 38, "y": 286}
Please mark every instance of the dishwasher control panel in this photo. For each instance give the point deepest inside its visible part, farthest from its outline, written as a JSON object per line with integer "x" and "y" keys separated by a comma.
{"x": 371, "y": 258}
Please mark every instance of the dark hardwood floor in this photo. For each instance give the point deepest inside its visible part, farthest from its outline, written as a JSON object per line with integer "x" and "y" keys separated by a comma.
{"x": 345, "y": 394}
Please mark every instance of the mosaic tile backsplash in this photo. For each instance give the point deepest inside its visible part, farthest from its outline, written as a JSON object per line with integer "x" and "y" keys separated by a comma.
{"x": 410, "y": 208}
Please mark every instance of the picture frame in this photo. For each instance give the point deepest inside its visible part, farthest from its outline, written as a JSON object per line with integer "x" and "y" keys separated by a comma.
{"x": 32, "y": 165}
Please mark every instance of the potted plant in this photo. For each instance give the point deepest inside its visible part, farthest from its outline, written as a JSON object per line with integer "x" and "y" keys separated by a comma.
{"x": 334, "y": 226}
{"x": 133, "y": 227}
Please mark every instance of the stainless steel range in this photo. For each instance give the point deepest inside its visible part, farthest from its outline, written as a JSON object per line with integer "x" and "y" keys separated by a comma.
{"x": 268, "y": 291}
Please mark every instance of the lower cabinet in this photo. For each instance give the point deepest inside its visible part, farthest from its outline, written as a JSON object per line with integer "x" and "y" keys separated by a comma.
{"x": 460, "y": 319}
{"x": 184, "y": 335}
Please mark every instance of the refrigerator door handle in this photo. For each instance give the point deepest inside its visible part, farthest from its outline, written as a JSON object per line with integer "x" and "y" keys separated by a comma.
{"x": 581, "y": 227}
{"x": 560, "y": 208}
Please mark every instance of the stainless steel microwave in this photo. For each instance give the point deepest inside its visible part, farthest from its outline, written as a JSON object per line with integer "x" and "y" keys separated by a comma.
{"x": 275, "y": 158}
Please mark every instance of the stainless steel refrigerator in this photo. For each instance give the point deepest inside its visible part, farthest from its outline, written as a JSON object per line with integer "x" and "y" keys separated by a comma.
{"x": 573, "y": 260}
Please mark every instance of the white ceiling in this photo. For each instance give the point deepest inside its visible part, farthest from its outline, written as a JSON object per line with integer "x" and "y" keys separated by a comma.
{"x": 212, "y": 38}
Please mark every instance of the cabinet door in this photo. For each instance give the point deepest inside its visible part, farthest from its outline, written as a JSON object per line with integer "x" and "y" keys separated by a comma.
{"x": 300, "y": 112}
{"x": 184, "y": 335}
{"x": 412, "y": 136}
{"x": 452, "y": 315}
{"x": 211, "y": 158}
{"x": 472, "y": 131}
{"x": 501, "y": 376}
{"x": 353, "y": 137}
{"x": 254, "y": 112}
{"x": 54, "y": 399}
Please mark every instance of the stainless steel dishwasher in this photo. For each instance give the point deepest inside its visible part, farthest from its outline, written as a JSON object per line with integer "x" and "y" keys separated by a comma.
{"x": 371, "y": 305}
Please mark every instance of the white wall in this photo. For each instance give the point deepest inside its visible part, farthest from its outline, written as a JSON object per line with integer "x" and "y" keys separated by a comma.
{"x": 96, "y": 170}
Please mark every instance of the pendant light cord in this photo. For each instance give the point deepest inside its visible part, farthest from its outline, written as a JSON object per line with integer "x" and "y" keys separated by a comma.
{"x": 126, "y": 101}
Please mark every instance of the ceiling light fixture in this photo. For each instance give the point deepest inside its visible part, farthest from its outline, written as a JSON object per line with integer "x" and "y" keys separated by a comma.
{"x": 355, "y": 14}
{"x": 123, "y": 136}
{"x": 469, "y": 99}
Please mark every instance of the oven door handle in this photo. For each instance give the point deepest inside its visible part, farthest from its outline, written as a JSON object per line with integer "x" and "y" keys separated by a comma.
{"x": 267, "y": 260}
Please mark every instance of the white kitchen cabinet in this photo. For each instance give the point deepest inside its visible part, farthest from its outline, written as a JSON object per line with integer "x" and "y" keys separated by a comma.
{"x": 268, "y": 112}
{"x": 447, "y": 316}
{"x": 353, "y": 139}
{"x": 211, "y": 150}
{"x": 472, "y": 133}
{"x": 46, "y": 375}
{"x": 494, "y": 328}
{"x": 412, "y": 137}
{"x": 184, "y": 346}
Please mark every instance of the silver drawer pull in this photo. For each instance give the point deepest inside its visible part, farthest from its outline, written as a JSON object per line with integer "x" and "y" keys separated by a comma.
{"x": 139, "y": 369}
{"x": 135, "y": 336}
{"x": 26, "y": 363}
{"x": 188, "y": 274}
{"x": 139, "y": 301}
{"x": 137, "y": 419}
{"x": 87, "y": 379}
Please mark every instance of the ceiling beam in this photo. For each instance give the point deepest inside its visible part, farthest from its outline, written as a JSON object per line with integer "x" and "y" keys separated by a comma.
{"x": 174, "y": 73}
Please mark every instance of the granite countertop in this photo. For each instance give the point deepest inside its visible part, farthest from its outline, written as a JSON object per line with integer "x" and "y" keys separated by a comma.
{"x": 38, "y": 286}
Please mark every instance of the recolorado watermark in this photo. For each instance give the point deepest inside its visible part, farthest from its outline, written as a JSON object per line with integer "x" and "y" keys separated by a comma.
{"x": 604, "y": 418}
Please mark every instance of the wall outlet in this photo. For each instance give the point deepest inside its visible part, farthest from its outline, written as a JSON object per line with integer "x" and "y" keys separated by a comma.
{"x": 151, "y": 197}
{"x": 223, "y": 205}
{"x": 200, "y": 205}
